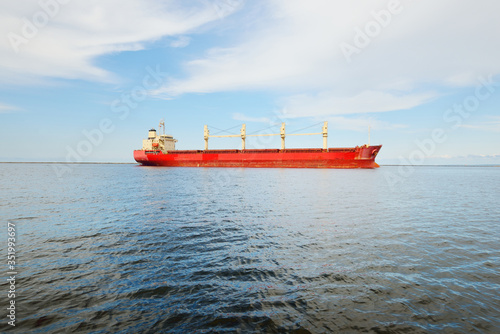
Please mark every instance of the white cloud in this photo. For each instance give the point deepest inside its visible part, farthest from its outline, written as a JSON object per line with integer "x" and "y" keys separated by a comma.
{"x": 180, "y": 42}
{"x": 327, "y": 103}
{"x": 288, "y": 46}
{"x": 294, "y": 47}
{"x": 241, "y": 117}
{"x": 471, "y": 159}
{"x": 63, "y": 40}
{"x": 351, "y": 123}
{"x": 493, "y": 125}
{"x": 4, "y": 108}
{"x": 360, "y": 124}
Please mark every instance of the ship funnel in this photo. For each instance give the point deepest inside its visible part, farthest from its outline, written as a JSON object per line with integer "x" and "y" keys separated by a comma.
{"x": 152, "y": 134}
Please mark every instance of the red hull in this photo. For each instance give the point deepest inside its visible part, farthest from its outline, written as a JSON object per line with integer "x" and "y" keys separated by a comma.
{"x": 356, "y": 157}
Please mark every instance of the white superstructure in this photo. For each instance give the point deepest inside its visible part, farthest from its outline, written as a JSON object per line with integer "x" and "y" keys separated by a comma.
{"x": 162, "y": 142}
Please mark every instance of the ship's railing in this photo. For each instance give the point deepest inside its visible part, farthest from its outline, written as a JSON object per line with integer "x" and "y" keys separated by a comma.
{"x": 186, "y": 151}
{"x": 269, "y": 150}
{"x": 303, "y": 150}
{"x": 340, "y": 149}
{"x": 220, "y": 151}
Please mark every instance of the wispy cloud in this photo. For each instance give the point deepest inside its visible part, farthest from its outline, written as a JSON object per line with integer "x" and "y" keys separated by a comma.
{"x": 180, "y": 42}
{"x": 360, "y": 124}
{"x": 63, "y": 40}
{"x": 241, "y": 117}
{"x": 328, "y": 103}
{"x": 351, "y": 123}
{"x": 4, "y": 108}
{"x": 470, "y": 159}
{"x": 492, "y": 125}
{"x": 469, "y": 156}
{"x": 294, "y": 47}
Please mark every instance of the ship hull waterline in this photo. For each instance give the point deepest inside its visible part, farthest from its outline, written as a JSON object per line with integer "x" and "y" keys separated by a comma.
{"x": 356, "y": 157}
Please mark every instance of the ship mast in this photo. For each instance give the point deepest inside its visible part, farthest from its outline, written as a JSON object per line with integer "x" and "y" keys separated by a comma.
{"x": 369, "y": 135}
{"x": 161, "y": 126}
{"x": 325, "y": 135}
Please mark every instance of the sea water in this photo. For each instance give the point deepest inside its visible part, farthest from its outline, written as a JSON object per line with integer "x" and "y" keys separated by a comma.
{"x": 124, "y": 248}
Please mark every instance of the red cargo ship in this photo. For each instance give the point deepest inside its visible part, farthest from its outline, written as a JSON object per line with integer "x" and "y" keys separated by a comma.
{"x": 159, "y": 150}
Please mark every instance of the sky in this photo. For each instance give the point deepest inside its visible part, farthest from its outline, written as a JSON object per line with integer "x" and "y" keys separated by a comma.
{"x": 84, "y": 81}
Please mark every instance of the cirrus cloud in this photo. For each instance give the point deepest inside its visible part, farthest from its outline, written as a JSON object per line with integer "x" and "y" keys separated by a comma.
{"x": 63, "y": 39}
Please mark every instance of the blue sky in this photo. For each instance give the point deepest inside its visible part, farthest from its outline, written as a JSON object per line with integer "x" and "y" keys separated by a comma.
{"x": 85, "y": 80}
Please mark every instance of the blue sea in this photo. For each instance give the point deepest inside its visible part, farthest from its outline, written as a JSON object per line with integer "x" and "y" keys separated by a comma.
{"x": 122, "y": 248}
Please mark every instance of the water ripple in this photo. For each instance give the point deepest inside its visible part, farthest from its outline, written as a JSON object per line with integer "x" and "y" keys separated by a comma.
{"x": 118, "y": 248}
